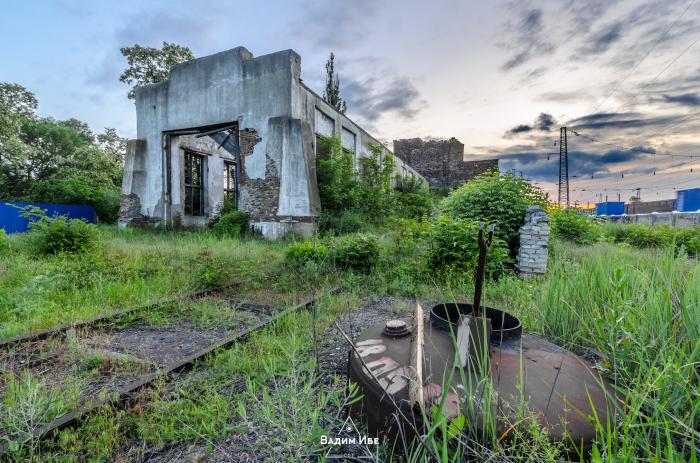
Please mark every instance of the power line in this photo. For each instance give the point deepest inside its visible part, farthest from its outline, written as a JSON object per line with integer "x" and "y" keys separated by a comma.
{"x": 629, "y": 148}
{"x": 658, "y": 75}
{"x": 688, "y": 117}
{"x": 645, "y": 56}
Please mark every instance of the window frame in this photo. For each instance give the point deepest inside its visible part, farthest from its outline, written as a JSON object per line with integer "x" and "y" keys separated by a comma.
{"x": 191, "y": 187}
{"x": 231, "y": 180}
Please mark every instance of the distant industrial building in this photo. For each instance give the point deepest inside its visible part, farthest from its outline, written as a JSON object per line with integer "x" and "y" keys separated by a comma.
{"x": 635, "y": 206}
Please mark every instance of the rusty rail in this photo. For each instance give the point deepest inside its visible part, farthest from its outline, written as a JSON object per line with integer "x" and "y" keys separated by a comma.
{"x": 58, "y": 329}
{"x": 125, "y": 394}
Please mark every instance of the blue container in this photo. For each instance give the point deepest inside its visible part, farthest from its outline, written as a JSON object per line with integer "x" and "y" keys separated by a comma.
{"x": 688, "y": 200}
{"x": 11, "y": 219}
{"x": 610, "y": 208}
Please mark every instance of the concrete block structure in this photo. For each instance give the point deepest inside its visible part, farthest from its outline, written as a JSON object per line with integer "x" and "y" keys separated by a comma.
{"x": 534, "y": 242}
{"x": 234, "y": 125}
{"x": 441, "y": 162}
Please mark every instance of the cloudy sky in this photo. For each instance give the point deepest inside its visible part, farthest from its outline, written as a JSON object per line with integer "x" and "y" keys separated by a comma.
{"x": 502, "y": 77}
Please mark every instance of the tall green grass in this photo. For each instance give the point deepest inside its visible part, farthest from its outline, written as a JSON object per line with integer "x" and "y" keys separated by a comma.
{"x": 129, "y": 268}
{"x": 638, "y": 311}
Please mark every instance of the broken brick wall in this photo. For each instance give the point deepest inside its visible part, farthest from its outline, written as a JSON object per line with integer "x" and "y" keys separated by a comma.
{"x": 258, "y": 196}
{"x": 441, "y": 162}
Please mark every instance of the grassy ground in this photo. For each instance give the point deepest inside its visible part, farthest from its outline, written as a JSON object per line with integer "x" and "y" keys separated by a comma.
{"x": 637, "y": 310}
{"x": 130, "y": 268}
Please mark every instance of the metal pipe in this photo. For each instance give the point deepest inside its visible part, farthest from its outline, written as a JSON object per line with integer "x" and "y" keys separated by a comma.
{"x": 481, "y": 266}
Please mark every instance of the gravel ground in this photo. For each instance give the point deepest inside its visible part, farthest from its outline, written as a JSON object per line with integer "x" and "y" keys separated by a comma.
{"x": 250, "y": 447}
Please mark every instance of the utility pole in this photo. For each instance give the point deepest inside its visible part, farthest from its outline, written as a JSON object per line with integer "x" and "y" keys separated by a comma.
{"x": 563, "y": 169}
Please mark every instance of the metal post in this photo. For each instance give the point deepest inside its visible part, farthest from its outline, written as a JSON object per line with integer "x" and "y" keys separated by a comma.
{"x": 481, "y": 267}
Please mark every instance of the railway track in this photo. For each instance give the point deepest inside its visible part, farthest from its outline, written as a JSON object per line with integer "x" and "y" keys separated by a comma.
{"x": 151, "y": 353}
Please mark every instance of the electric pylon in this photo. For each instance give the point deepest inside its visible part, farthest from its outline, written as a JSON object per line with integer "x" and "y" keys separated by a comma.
{"x": 563, "y": 169}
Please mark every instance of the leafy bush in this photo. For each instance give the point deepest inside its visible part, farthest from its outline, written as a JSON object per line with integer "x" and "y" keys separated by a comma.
{"x": 498, "y": 199}
{"x": 80, "y": 189}
{"x": 454, "y": 247}
{"x": 232, "y": 224}
{"x": 350, "y": 202}
{"x": 641, "y": 236}
{"x": 689, "y": 238}
{"x": 357, "y": 252}
{"x": 343, "y": 222}
{"x": 570, "y": 225}
{"x": 409, "y": 184}
{"x": 656, "y": 236}
{"x": 302, "y": 252}
{"x": 413, "y": 198}
{"x": 52, "y": 235}
{"x": 337, "y": 186}
{"x": 374, "y": 186}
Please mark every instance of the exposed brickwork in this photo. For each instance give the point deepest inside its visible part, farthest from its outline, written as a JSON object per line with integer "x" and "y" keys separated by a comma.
{"x": 248, "y": 138}
{"x": 441, "y": 162}
{"x": 130, "y": 212}
{"x": 258, "y": 197}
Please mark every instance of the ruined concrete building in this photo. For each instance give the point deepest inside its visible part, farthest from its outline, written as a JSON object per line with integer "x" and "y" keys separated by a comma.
{"x": 441, "y": 162}
{"x": 231, "y": 125}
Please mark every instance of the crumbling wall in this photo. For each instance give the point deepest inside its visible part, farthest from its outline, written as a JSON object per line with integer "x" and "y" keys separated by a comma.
{"x": 441, "y": 162}
{"x": 534, "y": 242}
{"x": 676, "y": 219}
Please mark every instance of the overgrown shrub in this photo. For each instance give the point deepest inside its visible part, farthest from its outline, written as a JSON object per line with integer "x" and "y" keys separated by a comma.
{"x": 80, "y": 189}
{"x": 454, "y": 248}
{"x": 689, "y": 238}
{"x": 350, "y": 202}
{"x": 655, "y": 236}
{"x": 375, "y": 193}
{"x": 413, "y": 198}
{"x": 337, "y": 185}
{"x": 232, "y": 224}
{"x": 52, "y": 235}
{"x": 571, "y": 225}
{"x": 357, "y": 252}
{"x": 498, "y": 199}
{"x": 343, "y": 222}
{"x": 300, "y": 253}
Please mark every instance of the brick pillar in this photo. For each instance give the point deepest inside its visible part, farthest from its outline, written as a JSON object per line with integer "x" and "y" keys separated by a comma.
{"x": 534, "y": 239}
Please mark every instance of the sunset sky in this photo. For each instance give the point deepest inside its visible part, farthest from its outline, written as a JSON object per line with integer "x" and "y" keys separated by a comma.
{"x": 502, "y": 77}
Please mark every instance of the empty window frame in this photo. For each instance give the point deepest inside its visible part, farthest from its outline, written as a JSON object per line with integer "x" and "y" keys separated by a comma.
{"x": 194, "y": 194}
{"x": 230, "y": 190}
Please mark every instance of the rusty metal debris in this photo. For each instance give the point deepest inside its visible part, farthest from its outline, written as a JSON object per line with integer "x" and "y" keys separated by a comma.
{"x": 451, "y": 359}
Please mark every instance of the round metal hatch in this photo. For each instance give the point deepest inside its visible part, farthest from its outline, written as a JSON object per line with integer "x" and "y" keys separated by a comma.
{"x": 504, "y": 326}
{"x": 563, "y": 391}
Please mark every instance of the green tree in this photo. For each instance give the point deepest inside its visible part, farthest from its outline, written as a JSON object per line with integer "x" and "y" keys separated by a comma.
{"x": 110, "y": 142}
{"x": 148, "y": 65}
{"x": 332, "y": 92}
{"x": 17, "y": 106}
{"x": 51, "y": 161}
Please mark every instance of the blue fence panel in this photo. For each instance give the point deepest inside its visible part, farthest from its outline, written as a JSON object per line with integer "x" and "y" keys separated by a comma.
{"x": 11, "y": 219}
{"x": 688, "y": 200}
{"x": 610, "y": 208}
